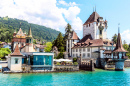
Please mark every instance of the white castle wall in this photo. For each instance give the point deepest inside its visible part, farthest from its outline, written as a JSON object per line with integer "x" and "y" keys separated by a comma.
{"x": 94, "y": 30}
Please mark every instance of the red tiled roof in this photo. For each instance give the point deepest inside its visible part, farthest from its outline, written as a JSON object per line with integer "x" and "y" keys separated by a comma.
{"x": 93, "y": 18}
{"x": 119, "y": 47}
{"x": 74, "y": 36}
{"x": 93, "y": 43}
{"x": 16, "y": 51}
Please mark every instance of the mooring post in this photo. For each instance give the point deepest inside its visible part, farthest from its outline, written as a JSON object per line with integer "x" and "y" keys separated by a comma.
{"x": 92, "y": 65}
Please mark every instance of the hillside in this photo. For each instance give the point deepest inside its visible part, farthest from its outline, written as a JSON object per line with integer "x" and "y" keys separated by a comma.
{"x": 38, "y": 31}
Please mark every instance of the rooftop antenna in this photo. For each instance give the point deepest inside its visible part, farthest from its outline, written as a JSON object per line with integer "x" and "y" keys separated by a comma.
{"x": 118, "y": 27}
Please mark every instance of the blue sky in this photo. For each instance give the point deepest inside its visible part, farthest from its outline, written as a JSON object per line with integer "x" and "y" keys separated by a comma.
{"x": 57, "y": 13}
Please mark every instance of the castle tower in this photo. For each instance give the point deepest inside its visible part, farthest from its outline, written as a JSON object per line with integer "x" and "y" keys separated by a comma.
{"x": 29, "y": 42}
{"x": 18, "y": 38}
{"x": 15, "y": 61}
{"x": 119, "y": 54}
{"x": 72, "y": 39}
{"x": 96, "y": 26}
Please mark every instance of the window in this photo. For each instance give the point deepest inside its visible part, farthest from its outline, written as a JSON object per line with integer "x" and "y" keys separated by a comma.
{"x": 73, "y": 50}
{"x": 89, "y": 25}
{"x": 100, "y": 32}
{"x": 84, "y": 55}
{"x": 88, "y": 54}
{"x": 83, "y": 49}
{"x": 79, "y": 50}
{"x": 73, "y": 55}
{"x": 88, "y": 49}
{"x": 76, "y": 55}
{"x": 76, "y": 50}
{"x": 16, "y": 61}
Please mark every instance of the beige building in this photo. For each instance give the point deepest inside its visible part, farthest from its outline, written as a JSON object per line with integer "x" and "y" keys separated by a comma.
{"x": 15, "y": 60}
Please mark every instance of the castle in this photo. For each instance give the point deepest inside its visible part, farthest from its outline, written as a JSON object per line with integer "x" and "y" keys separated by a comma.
{"x": 94, "y": 40}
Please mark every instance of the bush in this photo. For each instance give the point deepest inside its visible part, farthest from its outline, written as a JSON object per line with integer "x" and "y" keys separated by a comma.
{"x": 75, "y": 63}
{"x": 60, "y": 55}
{"x": 58, "y": 63}
{"x": 74, "y": 59}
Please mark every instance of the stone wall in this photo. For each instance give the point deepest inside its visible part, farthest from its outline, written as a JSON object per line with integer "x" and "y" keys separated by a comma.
{"x": 66, "y": 67}
{"x": 127, "y": 63}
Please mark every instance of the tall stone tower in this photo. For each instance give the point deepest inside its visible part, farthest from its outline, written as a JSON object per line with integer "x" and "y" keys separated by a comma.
{"x": 96, "y": 26}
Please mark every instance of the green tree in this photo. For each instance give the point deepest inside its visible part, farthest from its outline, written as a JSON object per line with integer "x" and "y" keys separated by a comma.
{"x": 59, "y": 43}
{"x": 114, "y": 38}
{"x": 4, "y": 52}
{"x": 34, "y": 41}
{"x": 126, "y": 46}
{"x": 68, "y": 30}
{"x": 48, "y": 47}
{"x": 60, "y": 55}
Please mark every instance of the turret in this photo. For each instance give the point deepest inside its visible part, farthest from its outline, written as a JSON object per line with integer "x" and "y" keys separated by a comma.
{"x": 29, "y": 38}
{"x": 119, "y": 54}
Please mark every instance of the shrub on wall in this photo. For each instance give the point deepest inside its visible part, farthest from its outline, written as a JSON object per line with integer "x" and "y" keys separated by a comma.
{"x": 74, "y": 59}
{"x": 58, "y": 63}
{"x": 60, "y": 55}
{"x": 75, "y": 63}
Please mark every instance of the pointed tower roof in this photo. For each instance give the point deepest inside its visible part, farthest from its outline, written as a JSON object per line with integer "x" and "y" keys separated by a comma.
{"x": 16, "y": 51}
{"x": 30, "y": 32}
{"x": 119, "y": 47}
{"x": 92, "y": 18}
{"x": 74, "y": 36}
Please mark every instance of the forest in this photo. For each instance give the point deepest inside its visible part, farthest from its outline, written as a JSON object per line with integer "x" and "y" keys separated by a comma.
{"x": 8, "y": 25}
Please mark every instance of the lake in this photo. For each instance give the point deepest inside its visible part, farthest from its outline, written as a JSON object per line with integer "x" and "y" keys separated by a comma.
{"x": 84, "y": 78}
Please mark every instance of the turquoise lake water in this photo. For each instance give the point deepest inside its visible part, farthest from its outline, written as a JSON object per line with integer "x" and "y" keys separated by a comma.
{"x": 97, "y": 78}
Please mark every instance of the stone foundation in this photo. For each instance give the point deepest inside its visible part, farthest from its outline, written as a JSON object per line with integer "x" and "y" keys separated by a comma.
{"x": 119, "y": 65}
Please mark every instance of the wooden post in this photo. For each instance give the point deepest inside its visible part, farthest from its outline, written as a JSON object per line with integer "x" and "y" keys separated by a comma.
{"x": 92, "y": 65}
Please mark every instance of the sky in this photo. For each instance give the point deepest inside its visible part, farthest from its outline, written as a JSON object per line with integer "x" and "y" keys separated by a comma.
{"x": 57, "y": 13}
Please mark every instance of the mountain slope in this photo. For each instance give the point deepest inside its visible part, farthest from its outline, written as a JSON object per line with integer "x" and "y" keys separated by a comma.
{"x": 38, "y": 31}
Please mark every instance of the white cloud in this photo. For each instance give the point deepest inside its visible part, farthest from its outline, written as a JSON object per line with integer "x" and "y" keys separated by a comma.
{"x": 71, "y": 16}
{"x": 67, "y": 4}
{"x": 125, "y": 35}
{"x": 43, "y": 12}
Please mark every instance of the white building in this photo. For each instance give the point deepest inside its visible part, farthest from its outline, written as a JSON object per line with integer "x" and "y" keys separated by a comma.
{"x": 15, "y": 60}
{"x": 94, "y": 41}
{"x": 72, "y": 39}
{"x": 96, "y": 26}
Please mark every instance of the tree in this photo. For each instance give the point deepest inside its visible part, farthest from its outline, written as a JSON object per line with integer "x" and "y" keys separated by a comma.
{"x": 34, "y": 41}
{"x": 4, "y": 52}
{"x": 48, "y": 47}
{"x": 126, "y": 46}
{"x": 68, "y": 30}
{"x": 60, "y": 55}
{"x": 114, "y": 38}
{"x": 59, "y": 43}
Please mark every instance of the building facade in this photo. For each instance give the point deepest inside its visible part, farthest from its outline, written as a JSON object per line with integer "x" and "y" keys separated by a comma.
{"x": 96, "y": 26}
{"x": 94, "y": 40}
